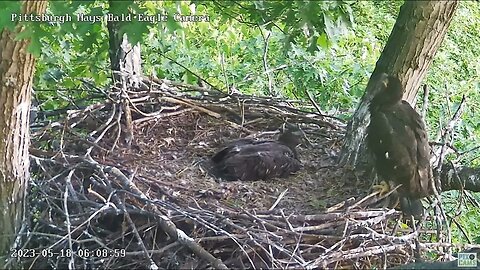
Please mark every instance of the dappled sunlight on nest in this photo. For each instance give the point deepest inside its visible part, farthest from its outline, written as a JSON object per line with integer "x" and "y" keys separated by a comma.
{"x": 154, "y": 196}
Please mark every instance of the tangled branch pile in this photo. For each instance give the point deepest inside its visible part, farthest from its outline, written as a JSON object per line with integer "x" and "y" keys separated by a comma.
{"x": 119, "y": 184}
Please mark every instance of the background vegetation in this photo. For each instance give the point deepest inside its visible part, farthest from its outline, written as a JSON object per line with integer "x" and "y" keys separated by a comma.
{"x": 273, "y": 48}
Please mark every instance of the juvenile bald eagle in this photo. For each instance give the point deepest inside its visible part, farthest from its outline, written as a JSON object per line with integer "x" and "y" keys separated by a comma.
{"x": 398, "y": 140}
{"x": 250, "y": 160}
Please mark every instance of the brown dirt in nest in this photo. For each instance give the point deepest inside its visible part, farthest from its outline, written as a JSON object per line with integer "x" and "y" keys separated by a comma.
{"x": 167, "y": 156}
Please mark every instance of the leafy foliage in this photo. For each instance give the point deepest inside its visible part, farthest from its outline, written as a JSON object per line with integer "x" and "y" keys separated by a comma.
{"x": 327, "y": 48}
{"x": 454, "y": 73}
{"x": 310, "y": 23}
{"x": 9, "y": 8}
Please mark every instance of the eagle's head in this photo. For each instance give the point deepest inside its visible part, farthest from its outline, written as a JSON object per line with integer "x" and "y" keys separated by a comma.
{"x": 291, "y": 137}
{"x": 388, "y": 90}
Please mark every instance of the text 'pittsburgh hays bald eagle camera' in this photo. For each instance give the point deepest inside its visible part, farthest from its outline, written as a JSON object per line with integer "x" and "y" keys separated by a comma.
{"x": 398, "y": 140}
{"x": 250, "y": 160}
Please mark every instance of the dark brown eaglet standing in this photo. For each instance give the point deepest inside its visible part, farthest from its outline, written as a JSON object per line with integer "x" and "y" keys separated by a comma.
{"x": 250, "y": 160}
{"x": 398, "y": 140}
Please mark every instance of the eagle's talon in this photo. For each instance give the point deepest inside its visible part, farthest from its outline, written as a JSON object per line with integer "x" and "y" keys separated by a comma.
{"x": 382, "y": 188}
{"x": 385, "y": 191}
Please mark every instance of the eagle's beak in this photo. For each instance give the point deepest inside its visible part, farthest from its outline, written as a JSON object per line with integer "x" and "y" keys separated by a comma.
{"x": 381, "y": 83}
{"x": 383, "y": 80}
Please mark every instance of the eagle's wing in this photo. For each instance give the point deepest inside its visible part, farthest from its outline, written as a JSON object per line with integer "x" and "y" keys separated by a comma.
{"x": 260, "y": 162}
{"x": 231, "y": 149}
{"x": 424, "y": 170}
{"x": 412, "y": 151}
{"x": 387, "y": 140}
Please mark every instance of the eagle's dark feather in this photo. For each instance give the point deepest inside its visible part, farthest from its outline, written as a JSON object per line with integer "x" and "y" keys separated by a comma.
{"x": 250, "y": 160}
{"x": 398, "y": 140}
{"x": 232, "y": 148}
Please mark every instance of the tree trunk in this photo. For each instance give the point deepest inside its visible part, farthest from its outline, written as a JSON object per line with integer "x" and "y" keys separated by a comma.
{"x": 16, "y": 74}
{"x": 123, "y": 56}
{"x": 415, "y": 38}
{"x": 126, "y": 65}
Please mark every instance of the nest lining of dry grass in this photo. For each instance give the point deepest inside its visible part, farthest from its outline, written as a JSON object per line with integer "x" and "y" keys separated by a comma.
{"x": 120, "y": 185}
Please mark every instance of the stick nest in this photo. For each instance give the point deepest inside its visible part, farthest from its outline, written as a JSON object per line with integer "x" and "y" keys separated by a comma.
{"x": 120, "y": 184}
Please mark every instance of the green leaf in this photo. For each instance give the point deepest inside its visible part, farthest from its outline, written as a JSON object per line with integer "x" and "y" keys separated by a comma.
{"x": 173, "y": 25}
{"x": 7, "y": 12}
{"x": 89, "y": 40}
{"x": 26, "y": 33}
{"x": 135, "y": 31}
{"x": 329, "y": 26}
{"x": 313, "y": 44}
{"x": 323, "y": 41}
{"x": 82, "y": 28}
{"x": 189, "y": 78}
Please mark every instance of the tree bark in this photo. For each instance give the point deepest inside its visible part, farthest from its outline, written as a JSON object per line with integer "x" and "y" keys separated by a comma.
{"x": 123, "y": 56}
{"x": 415, "y": 38}
{"x": 125, "y": 60}
{"x": 16, "y": 74}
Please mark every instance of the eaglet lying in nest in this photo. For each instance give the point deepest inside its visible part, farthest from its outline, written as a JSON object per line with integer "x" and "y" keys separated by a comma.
{"x": 249, "y": 160}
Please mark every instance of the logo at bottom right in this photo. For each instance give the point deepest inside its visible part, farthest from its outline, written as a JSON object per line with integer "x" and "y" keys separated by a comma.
{"x": 467, "y": 259}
